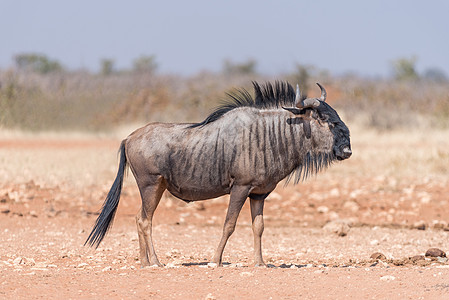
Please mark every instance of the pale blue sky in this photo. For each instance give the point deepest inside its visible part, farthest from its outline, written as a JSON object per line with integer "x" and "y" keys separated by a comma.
{"x": 189, "y": 36}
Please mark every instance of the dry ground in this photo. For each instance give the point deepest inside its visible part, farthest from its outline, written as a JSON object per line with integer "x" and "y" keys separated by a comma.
{"x": 393, "y": 193}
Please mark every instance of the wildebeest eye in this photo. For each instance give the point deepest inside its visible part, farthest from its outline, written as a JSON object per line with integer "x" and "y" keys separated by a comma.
{"x": 323, "y": 117}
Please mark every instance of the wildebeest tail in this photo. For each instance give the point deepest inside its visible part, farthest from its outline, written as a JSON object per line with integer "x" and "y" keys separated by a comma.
{"x": 104, "y": 220}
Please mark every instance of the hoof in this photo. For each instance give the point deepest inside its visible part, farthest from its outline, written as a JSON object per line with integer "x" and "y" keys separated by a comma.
{"x": 153, "y": 265}
{"x": 214, "y": 264}
{"x": 158, "y": 264}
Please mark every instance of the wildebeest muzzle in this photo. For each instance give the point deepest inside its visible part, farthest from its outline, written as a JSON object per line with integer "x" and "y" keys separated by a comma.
{"x": 342, "y": 152}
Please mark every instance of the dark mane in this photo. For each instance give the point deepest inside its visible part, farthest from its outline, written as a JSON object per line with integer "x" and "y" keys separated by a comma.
{"x": 265, "y": 96}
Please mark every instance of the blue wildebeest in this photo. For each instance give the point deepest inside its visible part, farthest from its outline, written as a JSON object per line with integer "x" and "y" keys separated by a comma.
{"x": 244, "y": 148}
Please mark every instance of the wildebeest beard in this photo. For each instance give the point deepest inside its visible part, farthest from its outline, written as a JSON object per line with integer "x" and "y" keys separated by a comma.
{"x": 312, "y": 164}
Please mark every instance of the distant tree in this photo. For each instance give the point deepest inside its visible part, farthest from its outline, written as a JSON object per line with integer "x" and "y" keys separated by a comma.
{"x": 404, "y": 69}
{"x": 37, "y": 63}
{"x": 435, "y": 74}
{"x": 145, "y": 64}
{"x": 248, "y": 67}
{"x": 107, "y": 66}
{"x": 301, "y": 76}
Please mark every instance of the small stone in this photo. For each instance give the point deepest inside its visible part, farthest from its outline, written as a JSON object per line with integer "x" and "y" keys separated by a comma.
{"x": 374, "y": 242}
{"x": 322, "y": 209}
{"x": 171, "y": 265}
{"x": 378, "y": 256}
{"x": 437, "y": 224}
{"x": 387, "y": 278}
{"x": 17, "y": 261}
{"x": 417, "y": 258}
{"x": 212, "y": 265}
{"x": 335, "y": 192}
{"x": 442, "y": 259}
{"x": 4, "y": 209}
{"x": 423, "y": 263}
{"x": 339, "y": 227}
{"x": 82, "y": 265}
{"x": 150, "y": 267}
{"x": 420, "y": 225}
{"x": 435, "y": 252}
{"x": 106, "y": 269}
{"x": 200, "y": 206}
{"x": 351, "y": 205}
{"x": 210, "y": 297}
{"x": 246, "y": 274}
{"x": 425, "y": 198}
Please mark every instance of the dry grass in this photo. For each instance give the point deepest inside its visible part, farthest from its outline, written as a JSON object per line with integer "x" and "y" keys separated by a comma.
{"x": 387, "y": 105}
{"x": 87, "y": 102}
{"x": 418, "y": 153}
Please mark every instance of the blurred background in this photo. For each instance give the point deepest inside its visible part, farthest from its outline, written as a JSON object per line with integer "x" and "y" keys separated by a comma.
{"x": 95, "y": 66}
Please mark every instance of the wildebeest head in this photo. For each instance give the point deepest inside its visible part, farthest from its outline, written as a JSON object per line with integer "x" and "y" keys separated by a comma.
{"x": 316, "y": 112}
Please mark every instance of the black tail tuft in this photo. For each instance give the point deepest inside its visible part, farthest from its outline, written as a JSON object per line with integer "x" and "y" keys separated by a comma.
{"x": 104, "y": 220}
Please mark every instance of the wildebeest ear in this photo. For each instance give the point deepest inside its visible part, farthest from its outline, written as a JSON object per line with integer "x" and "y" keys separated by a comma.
{"x": 305, "y": 125}
{"x": 307, "y": 129}
{"x": 294, "y": 110}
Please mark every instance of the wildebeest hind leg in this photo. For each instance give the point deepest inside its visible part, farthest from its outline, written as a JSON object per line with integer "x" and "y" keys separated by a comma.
{"x": 237, "y": 199}
{"x": 257, "y": 219}
{"x": 151, "y": 193}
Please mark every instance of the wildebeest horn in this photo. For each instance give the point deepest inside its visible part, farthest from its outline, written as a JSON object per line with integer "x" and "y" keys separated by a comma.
{"x": 298, "y": 95}
{"x": 323, "y": 92}
{"x": 306, "y": 103}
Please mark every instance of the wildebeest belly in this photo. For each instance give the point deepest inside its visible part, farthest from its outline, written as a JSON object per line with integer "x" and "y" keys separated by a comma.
{"x": 189, "y": 193}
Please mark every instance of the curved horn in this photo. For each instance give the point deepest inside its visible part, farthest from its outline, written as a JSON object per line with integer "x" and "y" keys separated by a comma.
{"x": 309, "y": 102}
{"x": 323, "y": 92}
{"x": 298, "y": 95}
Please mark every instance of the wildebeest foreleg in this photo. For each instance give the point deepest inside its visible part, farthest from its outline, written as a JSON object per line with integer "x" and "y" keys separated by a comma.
{"x": 151, "y": 195}
{"x": 237, "y": 199}
{"x": 257, "y": 219}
